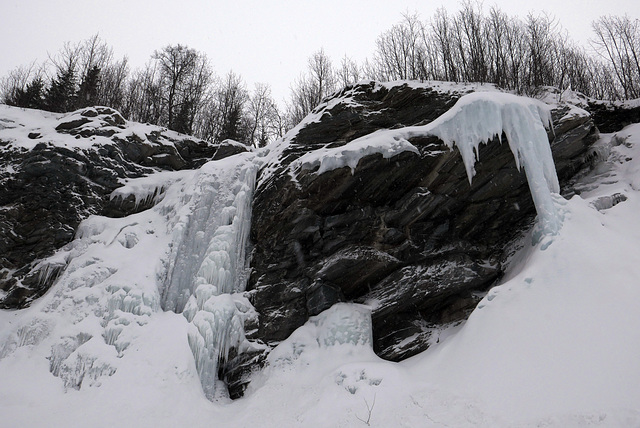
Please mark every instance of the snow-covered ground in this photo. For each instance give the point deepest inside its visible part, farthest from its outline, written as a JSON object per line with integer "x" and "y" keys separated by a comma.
{"x": 556, "y": 344}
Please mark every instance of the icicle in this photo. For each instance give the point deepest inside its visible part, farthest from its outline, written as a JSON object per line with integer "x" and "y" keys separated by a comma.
{"x": 477, "y": 118}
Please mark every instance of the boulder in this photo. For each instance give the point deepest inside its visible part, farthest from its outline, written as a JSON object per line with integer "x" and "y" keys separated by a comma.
{"x": 612, "y": 116}
{"x": 407, "y": 235}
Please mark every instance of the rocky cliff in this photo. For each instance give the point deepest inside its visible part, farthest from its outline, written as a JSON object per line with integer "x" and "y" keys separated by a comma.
{"x": 405, "y": 233}
{"x": 56, "y": 170}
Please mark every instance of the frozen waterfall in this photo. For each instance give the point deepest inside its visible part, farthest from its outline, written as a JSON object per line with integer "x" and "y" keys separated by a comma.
{"x": 207, "y": 264}
{"x": 478, "y": 117}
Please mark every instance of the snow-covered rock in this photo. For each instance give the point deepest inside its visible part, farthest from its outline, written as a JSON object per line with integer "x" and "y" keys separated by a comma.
{"x": 57, "y": 169}
{"x": 365, "y": 238}
{"x": 403, "y": 196}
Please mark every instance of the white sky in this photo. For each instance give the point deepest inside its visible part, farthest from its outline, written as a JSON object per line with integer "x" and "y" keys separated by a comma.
{"x": 263, "y": 41}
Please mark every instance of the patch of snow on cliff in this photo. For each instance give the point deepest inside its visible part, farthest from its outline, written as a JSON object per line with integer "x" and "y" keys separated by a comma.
{"x": 328, "y": 159}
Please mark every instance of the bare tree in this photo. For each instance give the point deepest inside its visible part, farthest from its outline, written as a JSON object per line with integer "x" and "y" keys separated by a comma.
{"x": 263, "y": 116}
{"x": 617, "y": 40}
{"x": 113, "y": 85}
{"x": 321, "y": 76}
{"x": 14, "y": 84}
{"x": 470, "y": 40}
{"x": 175, "y": 64}
{"x": 94, "y": 56}
{"x": 399, "y": 51}
{"x": 441, "y": 33}
{"x": 348, "y": 73}
{"x": 145, "y": 101}
{"x": 311, "y": 87}
{"x": 231, "y": 102}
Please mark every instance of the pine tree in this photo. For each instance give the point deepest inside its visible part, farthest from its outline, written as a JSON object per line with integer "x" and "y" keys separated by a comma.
{"x": 183, "y": 122}
{"x": 60, "y": 96}
{"x": 33, "y": 95}
{"x": 88, "y": 90}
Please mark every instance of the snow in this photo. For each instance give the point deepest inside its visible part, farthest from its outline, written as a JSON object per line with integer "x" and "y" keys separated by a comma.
{"x": 349, "y": 155}
{"x": 555, "y": 344}
{"x": 149, "y": 189}
{"x": 17, "y": 123}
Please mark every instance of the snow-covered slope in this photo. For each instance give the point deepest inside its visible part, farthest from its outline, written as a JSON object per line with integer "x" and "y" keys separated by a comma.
{"x": 555, "y": 344}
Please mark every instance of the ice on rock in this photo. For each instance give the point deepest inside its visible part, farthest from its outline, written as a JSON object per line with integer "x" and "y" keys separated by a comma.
{"x": 98, "y": 303}
{"x": 475, "y": 119}
{"x": 210, "y": 237}
{"x": 218, "y": 326}
{"x": 478, "y": 117}
{"x": 187, "y": 254}
{"x": 146, "y": 190}
{"x": 84, "y": 365}
{"x": 30, "y": 333}
{"x": 343, "y": 324}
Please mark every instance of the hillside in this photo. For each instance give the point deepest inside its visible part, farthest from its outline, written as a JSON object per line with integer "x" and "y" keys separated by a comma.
{"x": 409, "y": 255}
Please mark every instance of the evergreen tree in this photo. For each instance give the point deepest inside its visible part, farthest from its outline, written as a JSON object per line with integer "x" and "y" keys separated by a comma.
{"x": 33, "y": 95}
{"x": 183, "y": 121}
{"x": 60, "y": 97}
{"x": 88, "y": 90}
{"x": 29, "y": 97}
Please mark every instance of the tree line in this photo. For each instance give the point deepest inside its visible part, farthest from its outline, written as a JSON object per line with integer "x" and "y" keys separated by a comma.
{"x": 515, "y": 54}
{"x": 178, "y": 89}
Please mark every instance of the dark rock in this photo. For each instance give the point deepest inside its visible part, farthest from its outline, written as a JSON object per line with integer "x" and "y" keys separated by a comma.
{"x": 238, "y": 369}
{"x": 72, "y": 124}
{"x": 408, "y": 235}
{"x": 321, "y": 296}
{"x": 228, "y": 148}
{"x": 613, "y": 116}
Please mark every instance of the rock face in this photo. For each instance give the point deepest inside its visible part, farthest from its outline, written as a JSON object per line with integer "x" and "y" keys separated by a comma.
{"x": 67, "y": 173}
{"x": 407, "y": 235}
{"x": 613, "y": 116}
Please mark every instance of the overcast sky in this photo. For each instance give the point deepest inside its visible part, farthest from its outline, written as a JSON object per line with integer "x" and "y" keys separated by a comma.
{"x": 263, "y": 41}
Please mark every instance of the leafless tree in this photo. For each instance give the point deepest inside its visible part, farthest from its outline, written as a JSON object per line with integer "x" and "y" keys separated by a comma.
{"x": 348, "y": 73}
{"x": 399, "y": 51}
{"x": 617, "y": 40}
{"x": 311, "y": 87}
{"x": 232, "y": 98}
{"x": 16, "y": 82}
{"x": 175, "y": 64}
{"x": 113, "y": 84}
{"x": 262, "y": 116}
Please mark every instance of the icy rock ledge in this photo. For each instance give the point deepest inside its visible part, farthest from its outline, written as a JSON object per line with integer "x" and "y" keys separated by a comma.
{"x": 475, "y": 119}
